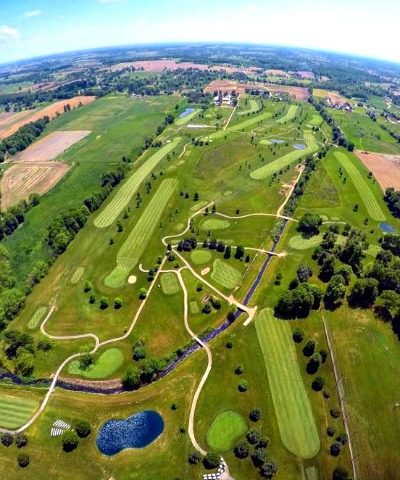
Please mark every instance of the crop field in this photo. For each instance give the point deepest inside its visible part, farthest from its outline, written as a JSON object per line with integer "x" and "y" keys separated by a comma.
{"x": 136, "y": 243}
{"x": 51, "y": 146}
{"x": 37, "y": 317}
{"x": 385, "y": 168}
{"x": 15, "y": 411}
{"x": 124, "y": 194}
{"x": 22, "y": 179}
{"x": 335, "y": 97}
{"x": 225, "y": 274}
{"x": 285, "y": 160}
{"x": 360, "y": 183}
{"x": 107, "y": 364}
{"x": 290, "y": 114}
{"x": 225, "y": 430}
{"x": 292, "y": 407}
{"x": 169, "y": 283}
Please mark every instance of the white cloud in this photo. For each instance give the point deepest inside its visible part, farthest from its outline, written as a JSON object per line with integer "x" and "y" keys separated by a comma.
{"x": 33, "y": 13}
{"x": 8, "y": 35}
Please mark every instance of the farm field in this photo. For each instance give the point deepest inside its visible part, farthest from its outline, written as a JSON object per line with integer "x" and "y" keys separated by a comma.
{"x": 385, "y": 168}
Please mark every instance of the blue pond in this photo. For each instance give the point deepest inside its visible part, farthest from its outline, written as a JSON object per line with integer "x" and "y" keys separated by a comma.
{"x": 385, "y": 227}
{"x": 299, "y": 146}
{"x": 187, "y": 112}
{"x": 136, "y": 431}
{"x": 276, "y": 140}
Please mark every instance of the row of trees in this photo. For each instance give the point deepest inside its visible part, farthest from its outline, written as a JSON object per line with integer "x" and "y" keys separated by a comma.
{"x": 392, "y": 198}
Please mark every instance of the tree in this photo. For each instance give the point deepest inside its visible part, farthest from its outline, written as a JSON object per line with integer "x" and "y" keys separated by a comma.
{"x": 340, "y": 473}
{"x": 387, "y": 305}
{"x": 23, "y": 460}
{"x": 243, "y": 386}
{"x": 345, "y": 271}
{"x": 227, "y": 254}
{"x": 103, "y": 303}
{"x": 142, "y": 293}
{"x": 211, "y": 460}
{"x": 70, "y": 440}
{"x": 335, "y": 449}
{"x": 304, "y": 272}
{"x": 21, "y": 440}
{"x": 83, "y": 428}
{"x": 314, "y": 363}
{"x": 85, "y": 361}
{"x": 335, "y": 292}
{"x": 25, "y": 363}
{"x": 239, "y": 252}
{"x": 268, "y": 470}
{"x": 131, "y": 379}
{"x": 88, "y": 286}
{"x": 318, "y": 384}
{"x": 259, "y": 457}
{"x": 364, "y": 293}
{"x": 7, "y": 439}
{"x": 309, "y": 224}
{"x": 253, "y": 436}
{"x": 255, "y": 415}
{"x": 241, "y": 450}
{"x": 117, "y": 303}
{"x": 309, "y": 348}
{"x": 194, "y": 458}
{"x": 298, "y": 335}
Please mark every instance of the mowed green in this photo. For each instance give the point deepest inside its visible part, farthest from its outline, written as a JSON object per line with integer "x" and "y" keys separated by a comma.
{"x": 290, "y": 114}
{"x": 240, "y": 126}
{"x": 200, "y": 257}
{"x": 361, "y": 185}
{"x": 169, "y": 283}
{"x": 225, "y": 430}
{"x": 296, "y": 422}
{"x": 187, "y": 118}
{"x": 15, "y": 412}
{"x": 285, "y": 160}
{"x": 225, "y": 274}
{"x": 125, "y": 193}
{"x": 37, "y": 317}
{"x": 107, "y": 364}
{"x": 214, "y": 224}
{"x": 253, "y": 108}
{"x": 134, "y": 246}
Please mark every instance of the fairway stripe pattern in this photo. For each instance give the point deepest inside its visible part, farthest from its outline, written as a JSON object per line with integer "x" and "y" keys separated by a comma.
{"x": 285, "y": 160}
{"x": 362, "y": 187}
{"x": 296, "y": 422}
{"x": 14, "y": 412}
{"x": 290, "y": 114}
{"x": 124, "y": 194}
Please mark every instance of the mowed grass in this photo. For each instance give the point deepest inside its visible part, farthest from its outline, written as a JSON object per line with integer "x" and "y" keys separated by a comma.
{"x": 361, "y": 185}
{"x": 124, "y": 194}
{"x": 285, "y": 160}
{"x": 185, "y": 120}
{"x": 296, "y": 422}
{"x": 214, "y": 224}
{"x": 37, "y": 317}
{"x": 225, "y": 430}
{"x": 253, "y": 108}
{"x": 169, "y": 283}
{"x": 107, "y": 364}
{"x": 134, "y": 246}
{"x": 225, "y": 274}
{"x": 200, "y": 257}
{"x": 290, "y": 114}
{"x": 14, "y": 411}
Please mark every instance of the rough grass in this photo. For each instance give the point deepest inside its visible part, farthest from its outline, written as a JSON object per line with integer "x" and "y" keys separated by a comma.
{"x": 361, "y": 185}
{"x": 197, "y": 206}
{"x": 285, "y": 160}
{"x": 134, "y": 246}
{"x": 200, "y": 257}
{"x": 108, "y": 363}
{"x": 290, "y": 114}
{"x": 296, "y": 422}
{"x": 37, "y": 317}
{"x": 225, "y": 430}
{"x": 77, "y": 275}
{"x": 214, "y": 224}
{"x": 169, "y": 283}
{"x": 125, "y": 193}
{"x": 14, "y": 412}
{"x": 225, "y": 274}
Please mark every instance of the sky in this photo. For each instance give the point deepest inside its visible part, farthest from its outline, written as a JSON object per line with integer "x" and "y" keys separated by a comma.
{"x": 30, "y": 28}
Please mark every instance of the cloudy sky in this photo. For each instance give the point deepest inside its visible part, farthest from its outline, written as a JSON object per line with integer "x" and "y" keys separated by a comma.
{"x": 36, "y": 27}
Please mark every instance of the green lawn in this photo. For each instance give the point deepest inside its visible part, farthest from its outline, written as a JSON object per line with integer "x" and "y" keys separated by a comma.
{"x": 292, "y": 406}
{"x": 169, "y": 283}
{"x": 200, "y": 257}
{"x": 214, "y": 224}
{"x": 253, "y": 108}
{"x": 225, "y": 274}
{"x": 225, "y": 430}
{"x": 15, "y": 411}
{"x": 107, "y": 364}
{"x": 290, "y": 114}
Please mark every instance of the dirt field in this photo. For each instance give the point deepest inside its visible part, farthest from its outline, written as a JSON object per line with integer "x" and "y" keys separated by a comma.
{"x": 386, "y": 168}
{"x": 335, "y": 97}
{"x": 19, "y": 181}
{"x": 9, "y": 118}
{"x": 277, "y": 73}
{"x": 50, "y": 111}
{"x": 50, "y": 146}
{"x": 300, "y": 93}
{"x": 157, "y": 65}
{"x": 305, "y": 74}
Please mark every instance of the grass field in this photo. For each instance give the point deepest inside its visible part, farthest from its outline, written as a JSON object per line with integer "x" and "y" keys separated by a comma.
{"x": 360, "y": 183}
{"x": 225, "y": 430}
{"x": 15, "y": 411}
{"x": 214, "y": 224}
{"x": 292, "y": 406}
{"x": 290, "y": 114}
{"x": 37, "y": 317}
{"x": 253, "y": 108}
{"x": 200, "y": 257}
{"x": 187, "y": 118}
{"x": 225, "y": 274}
{"x": 136, "y": 243}
{"x": 107, "y": 364}
{"x": 285, "y": 160}
{"x": 169, "y": 283}
{"x": 124, "y": 194}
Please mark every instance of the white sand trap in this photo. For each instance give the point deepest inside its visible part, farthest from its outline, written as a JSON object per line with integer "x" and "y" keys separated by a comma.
{"x": 205, "y": 271}
{"x": 132, "y": 279}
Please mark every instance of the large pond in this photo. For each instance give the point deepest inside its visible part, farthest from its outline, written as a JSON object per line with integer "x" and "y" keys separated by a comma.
{"x": 187, "y": 112}
{"x": 136, "y": 431}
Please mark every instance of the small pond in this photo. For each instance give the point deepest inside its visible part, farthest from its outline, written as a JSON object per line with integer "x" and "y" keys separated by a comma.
{"x": 385, "y": 227}
{"x": 187, "y": 112}
{"x": 136, "y": 431}
{"x": 299, "y": 146}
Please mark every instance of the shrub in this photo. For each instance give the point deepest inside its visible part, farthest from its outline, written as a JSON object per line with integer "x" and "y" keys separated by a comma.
{"x": 243, "y": 386}
{"x": 7, "y": 439}
{"x": 229, "y": 345}
{"x": 241, "y": 450}
{"x": 342, "y": 438}
{"x": 21, "y": 440}
{"x": 83, "y": 429}
{"x": 211, "y": 460}
{"x": 239, "y": 370}
{"x": 255, "y": 415}
{"x": 259, "y": 457}
{"x": 70, "y": 440}
{"x": 331, "y": 431}
{"x": 335, "y": 449}
{"x": 253, "y": 436}
{"x": 340, "y": 473}
{"x": 335, "y": 413}
{"x": 194, "y": 458}
{"x": 23, "y": 460}
{"x": 88, "y": 286}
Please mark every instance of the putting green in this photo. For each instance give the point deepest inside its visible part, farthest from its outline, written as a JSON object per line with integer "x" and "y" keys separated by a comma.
{"x": 37, "y": 317}
{"x": 225, "y": 430}
{"x": 214, "y": 224}
{"x": 108, "y": 363}
{"x": 117, "y": 278}
{"x": 296, "y": 422}
{"x": 290, "y": 114}
{"x": 299, "y": 243}
{"x": 225, "y": 274}
{"x": 15, "y": 412}
{"x": 169, "y": 283}
{"x": 315, "y": 120}
{"x": 200, "y": 257}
